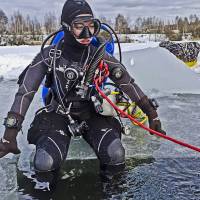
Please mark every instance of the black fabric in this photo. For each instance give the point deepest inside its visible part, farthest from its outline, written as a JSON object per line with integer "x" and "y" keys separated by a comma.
{"x": 82, "y": 106}
{"x": 82, "y": 110}
{"x": 10, "y": 135}
{"x": 156, "y": 125}
{"x": 72, "y": 49}
{"x": 147, "y": 107}
{"x": 47, "y": 125}
{"x": 108, "y": 128}
{"x": 22, "y": 75}
{"x": 73, "y": 8}
{"x": 47, "y": 143}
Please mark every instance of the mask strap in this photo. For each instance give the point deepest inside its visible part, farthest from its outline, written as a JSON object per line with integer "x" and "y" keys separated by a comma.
{"x": 66, "y": 26}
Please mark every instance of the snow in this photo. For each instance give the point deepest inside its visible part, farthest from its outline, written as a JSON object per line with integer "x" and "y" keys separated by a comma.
{"x": 158, "y": 71}
{"x": 167, "y": 72}
{"x": 13, "y": 59}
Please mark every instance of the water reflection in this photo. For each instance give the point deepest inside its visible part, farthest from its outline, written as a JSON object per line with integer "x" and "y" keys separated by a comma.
{"x": 79, "y": 180}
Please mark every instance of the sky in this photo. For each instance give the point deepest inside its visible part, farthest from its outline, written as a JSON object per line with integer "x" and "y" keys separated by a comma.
{"x": 166, "y": 9}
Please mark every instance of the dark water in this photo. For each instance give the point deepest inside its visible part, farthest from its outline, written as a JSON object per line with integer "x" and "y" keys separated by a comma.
{"x": 156, "y": 169}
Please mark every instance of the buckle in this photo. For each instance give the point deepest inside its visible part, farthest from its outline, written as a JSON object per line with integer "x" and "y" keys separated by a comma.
{"x": 57, "y": 53}
{"x": 156, "y": 119}
{"x": 5, "y": 141}
{"x": 60, "y": 110}
{"x": 154, "y": 103}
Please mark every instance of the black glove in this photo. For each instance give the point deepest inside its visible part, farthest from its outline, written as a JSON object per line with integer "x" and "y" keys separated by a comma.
{"x": 8, "y": 143}
{"x": 155, "y": 124}
{"x": 150, "y": 110}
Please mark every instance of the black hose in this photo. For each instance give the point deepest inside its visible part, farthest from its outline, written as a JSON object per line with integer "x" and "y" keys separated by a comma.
{"x": 98, "y": 56}
{"x": 44, "y": 43}
{"x": 118, "y": 43}
{"x": 55, "y": 77}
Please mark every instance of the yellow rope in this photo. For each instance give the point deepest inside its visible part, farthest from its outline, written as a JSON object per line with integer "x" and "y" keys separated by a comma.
{"x": 114, "y": 93}
{"x": 138, "y": 114}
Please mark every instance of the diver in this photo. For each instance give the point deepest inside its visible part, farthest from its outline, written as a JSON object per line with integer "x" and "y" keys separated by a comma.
{"x": 72, "y": 104}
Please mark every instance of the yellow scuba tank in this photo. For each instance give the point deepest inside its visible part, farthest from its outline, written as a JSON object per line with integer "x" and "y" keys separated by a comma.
{"x": 124, "y": 104}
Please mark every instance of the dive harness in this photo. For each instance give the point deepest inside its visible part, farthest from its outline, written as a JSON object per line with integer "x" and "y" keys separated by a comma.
{"x": 95, "y": 66}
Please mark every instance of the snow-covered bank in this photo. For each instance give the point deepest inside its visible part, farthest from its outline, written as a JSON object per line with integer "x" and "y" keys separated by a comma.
{"x": 160, "y": 71}
{"x": 152, "y": 67}
{"x": 136, "y": 46}
{"x": 13, "y": 59}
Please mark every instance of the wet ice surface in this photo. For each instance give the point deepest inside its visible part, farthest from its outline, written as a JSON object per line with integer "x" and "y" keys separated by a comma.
{"x": 155, "y": 168}
{"x": 8, "y": 176}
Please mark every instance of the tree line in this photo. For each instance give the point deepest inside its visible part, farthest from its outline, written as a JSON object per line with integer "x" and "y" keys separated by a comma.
{"x": 20, "y": 29}
{"x": 18, "y": 24}
{"x": 173, "y": 28}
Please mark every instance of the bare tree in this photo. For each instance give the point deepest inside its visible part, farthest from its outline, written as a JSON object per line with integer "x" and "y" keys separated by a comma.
{"x": 34, "y": 27}
{"x": 17, "y": 23}
{"x": 3, "y": 21}
{"x": 103, "y": 19}
{"x": 121, "y": 24}
{"x": 50, "y": 23}
{"x": 138, "y": 25}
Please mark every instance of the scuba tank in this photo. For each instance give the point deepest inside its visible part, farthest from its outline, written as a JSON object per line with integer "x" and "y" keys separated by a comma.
{"x": 123, "y": 102}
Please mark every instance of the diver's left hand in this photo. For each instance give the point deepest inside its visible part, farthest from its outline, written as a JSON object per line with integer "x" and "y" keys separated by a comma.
{"x": 8, "y": 144}
{"x": 8, "y": 147}
{"x": 155, "y": 124}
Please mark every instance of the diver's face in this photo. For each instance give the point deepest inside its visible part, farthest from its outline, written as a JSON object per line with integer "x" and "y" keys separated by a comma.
{"x": 79, "y": 27}
{"x": 83, "y": 31}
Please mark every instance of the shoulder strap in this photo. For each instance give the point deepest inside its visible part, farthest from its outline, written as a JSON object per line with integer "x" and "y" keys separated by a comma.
{"x": 53, "y": 54}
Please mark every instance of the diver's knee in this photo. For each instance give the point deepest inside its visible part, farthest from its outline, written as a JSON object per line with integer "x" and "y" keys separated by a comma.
{"x": 43, "y": 161}
{"x": 116, "y": 152}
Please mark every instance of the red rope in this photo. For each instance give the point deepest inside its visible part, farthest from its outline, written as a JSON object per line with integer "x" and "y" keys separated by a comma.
{"x": 97, "y": 81}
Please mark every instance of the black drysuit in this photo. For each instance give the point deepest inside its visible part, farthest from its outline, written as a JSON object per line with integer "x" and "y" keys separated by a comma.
{"x": 49, "y": 130}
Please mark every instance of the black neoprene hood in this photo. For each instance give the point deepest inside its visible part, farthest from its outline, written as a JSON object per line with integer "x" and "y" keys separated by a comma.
{"x": 73, "y": 8}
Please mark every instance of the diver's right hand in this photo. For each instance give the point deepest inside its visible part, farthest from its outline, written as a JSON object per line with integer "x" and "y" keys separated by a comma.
{"x": 6, "y": 148}
{"x": 155, "y": 125}
{"x": 8, "y": 144}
